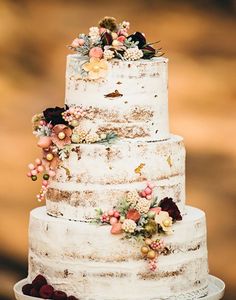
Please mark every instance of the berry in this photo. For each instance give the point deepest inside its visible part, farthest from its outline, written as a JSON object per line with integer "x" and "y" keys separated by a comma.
{"x": 34, "y": 293}
{"x": 46, "y": 291}
{"x": 45, "y": 176}
{"x": 26, "y": 289}
{"x": 72, "y": 298}
{"x": 39, "y": 281}
{"x": 59, "y": 295}
{"x": 34, "y": 177}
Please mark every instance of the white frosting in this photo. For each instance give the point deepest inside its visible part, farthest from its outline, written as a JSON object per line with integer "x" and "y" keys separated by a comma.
{"x": 98, "y": 176}
{"x": 142, "y": 111}
{"x": 89, "y": 262}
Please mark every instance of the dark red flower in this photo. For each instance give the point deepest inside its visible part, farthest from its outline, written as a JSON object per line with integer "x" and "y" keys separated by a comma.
{"x": 59, "y": 295}
{"x": 38, "y": 282}
{"x": 72, "y": 298}
{"x": 138, "y": 37}
{"x": 167, "y": 204}
{"x": 26, "y": 289}
{"x": 54, "y": 115}
{"x": 106, "y": 39}
{"x": 34, "y": 293}
{"x": 46, "y": 291}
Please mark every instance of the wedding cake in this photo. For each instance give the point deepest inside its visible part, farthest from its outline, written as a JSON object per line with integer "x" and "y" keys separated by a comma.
{"x": 115, "y": 225}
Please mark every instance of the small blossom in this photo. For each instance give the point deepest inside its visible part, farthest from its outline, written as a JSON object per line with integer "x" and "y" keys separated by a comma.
{"x": 61, "y": 135}
{"x": 94, "y": 34}
{"x": 96, "y": 68}
{"x": 132, "y": 197}
{"x": 143, "y": 205}
{"x": 165, "y": 221}
{"x": 129, "y": 226}
{"x": 133, "y": 54}
{"x": 75, "y": 43}
{"x": 108, "y": 54}
{"x": 96, "y": 52}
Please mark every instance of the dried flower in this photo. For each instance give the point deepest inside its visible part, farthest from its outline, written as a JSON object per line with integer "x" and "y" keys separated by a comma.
{"x": 133, "y": 53}
{"x": 96, "y": 68}
{"x": 143, "y": 205}
{"x": 165, "y": 221}
{"x": 109, "y": 23}
{"x": 132, "y": 197}
{"x": 94, "y": 34}
{"x": 108, "y": 54}
{"x": 167, "y": 204}
{"x": 54, "y": 115}
{"x": 61, "y": 135}
{"x": 133, "y": 214}
{"x": 129, "y": 226}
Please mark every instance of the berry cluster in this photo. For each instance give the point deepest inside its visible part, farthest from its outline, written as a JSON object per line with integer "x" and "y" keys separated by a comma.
{"x": 34, "y": 170}
{"x": 39, "y": 288}
{"x": 151, "y": 250}
{"x": 110, "y": 217}
{"x": 147, "y": 192}
{"x": 73, "y": 114}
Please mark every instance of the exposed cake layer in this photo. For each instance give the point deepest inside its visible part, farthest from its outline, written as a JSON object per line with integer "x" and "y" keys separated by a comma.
{"x": 87, "y": 261}
{"x": 97, "y": 175}
{"x": 132, "y": 100}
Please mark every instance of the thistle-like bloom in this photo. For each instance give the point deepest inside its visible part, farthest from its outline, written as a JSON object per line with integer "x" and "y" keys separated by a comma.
{"x": 96, "y": 68}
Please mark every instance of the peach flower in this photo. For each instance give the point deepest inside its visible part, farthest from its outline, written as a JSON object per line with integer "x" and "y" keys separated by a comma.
{"x": 96, "y": 52}
{"x": 61, "y": 135}
{"x": 96, "y": 68}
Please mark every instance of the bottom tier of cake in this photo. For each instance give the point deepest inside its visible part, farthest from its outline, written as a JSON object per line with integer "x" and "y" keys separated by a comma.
{"x": 87, "y": 261}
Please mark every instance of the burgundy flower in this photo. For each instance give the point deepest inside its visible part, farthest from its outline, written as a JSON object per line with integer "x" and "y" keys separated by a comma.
{"x": 106, "y": 39}
{"x": 167, "y": 204}
{"x": 138, "y": 37}
{"x": 54, "y": 115}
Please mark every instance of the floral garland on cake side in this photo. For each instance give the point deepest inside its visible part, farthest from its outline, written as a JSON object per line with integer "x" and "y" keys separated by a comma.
{"x": 57, "y": 130}
{"x": 107, "y": 41}
{"x": 141, "y": 216}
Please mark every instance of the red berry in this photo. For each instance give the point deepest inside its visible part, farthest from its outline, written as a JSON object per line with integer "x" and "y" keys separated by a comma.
{"x": 46, "y": 291}
{"x": 72, "y": 298}
{"x": 34, "y": 293}
{"x": 38, "y": 282}
{"x": 59, "y": 295}
{"x": 26, "y": 289}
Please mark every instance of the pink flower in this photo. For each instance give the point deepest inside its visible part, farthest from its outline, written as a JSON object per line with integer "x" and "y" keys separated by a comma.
{"x": 116, "y": 228}
{"x": 121, "y": 38}
{"x": 96, "y": 52}
{"x": 44, "y": 142}
{"x": 75, "y": 43}
{"x": 61, "y": 135}
{"x": 156, "y": 209}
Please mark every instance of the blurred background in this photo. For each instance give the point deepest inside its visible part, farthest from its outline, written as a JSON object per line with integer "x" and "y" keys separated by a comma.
{"x": 199, "y": 39}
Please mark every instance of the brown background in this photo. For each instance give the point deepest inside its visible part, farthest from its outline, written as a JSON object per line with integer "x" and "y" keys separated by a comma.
{"x": 199, "y": 39}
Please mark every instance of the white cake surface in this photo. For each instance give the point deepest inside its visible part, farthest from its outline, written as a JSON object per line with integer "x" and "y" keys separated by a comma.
{"x": 90, "y": 263}
{"x": 97, "y": 175}
{"x": 142, "y": 110}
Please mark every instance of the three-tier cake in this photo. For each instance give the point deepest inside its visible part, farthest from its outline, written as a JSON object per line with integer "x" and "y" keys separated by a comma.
{"x": 115, "y": 225}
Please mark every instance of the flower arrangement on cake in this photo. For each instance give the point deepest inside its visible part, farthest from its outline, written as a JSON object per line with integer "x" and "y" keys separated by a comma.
{"x": 141, "y": 216}
{"x": 107, "y": 41}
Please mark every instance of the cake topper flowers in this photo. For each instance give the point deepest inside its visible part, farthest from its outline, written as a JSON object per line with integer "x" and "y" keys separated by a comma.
{"x": 110, "y": 40}
{"x": 58, "y": 129}
{"x": 141, "y": 216}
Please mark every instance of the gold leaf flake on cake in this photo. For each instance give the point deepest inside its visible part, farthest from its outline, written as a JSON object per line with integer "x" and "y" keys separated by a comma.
{"x": 169, "y": 161}
{"x": 114, "y": 94}
{"x": 138, "y": 170}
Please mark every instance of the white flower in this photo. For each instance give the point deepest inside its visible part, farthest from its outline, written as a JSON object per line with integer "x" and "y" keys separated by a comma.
{"x": 129, "y": 226}
{"x": 132, "y": 197}
{"x": 143, "y": 205}
{"x": 96, "y": 68}
{"x": 165, "y": 221}
{"x": 108, "y": 54}
{"x": 94, "y": 34}
{"x": 133, "y": 53}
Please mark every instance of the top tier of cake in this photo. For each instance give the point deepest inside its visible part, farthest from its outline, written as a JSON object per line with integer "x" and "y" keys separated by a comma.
{"x": 132, "y": 100}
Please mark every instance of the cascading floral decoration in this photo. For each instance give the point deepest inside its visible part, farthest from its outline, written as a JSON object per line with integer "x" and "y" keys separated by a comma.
{"x": 141, "y": 216}
{"x": 58, "y": 129}
{"x": 110, "y": 40}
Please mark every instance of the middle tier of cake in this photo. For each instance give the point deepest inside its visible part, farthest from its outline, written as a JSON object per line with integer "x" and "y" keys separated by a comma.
{"x": 96, "y": 175}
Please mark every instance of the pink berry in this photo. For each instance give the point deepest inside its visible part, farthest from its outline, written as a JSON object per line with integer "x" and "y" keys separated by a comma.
{"x": 51, "y": 173}
{"x": 149, "y": 197}
{"x": 45, "y": 183}
{"x": 40, "y": 169}
{"x": 151, "y": 185}
{"x": 116, "y": 214}
{"x": 143, "y": 194}
{"x": 29, "y": 174}
{"x": 34, "y": 172}
{"x": 113, "y": 220}
{"x": 31, "y": 166}
{"x": 148, "y": 191}
{"x": 38, "y": 161}
{"x": 111, "y": 213}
